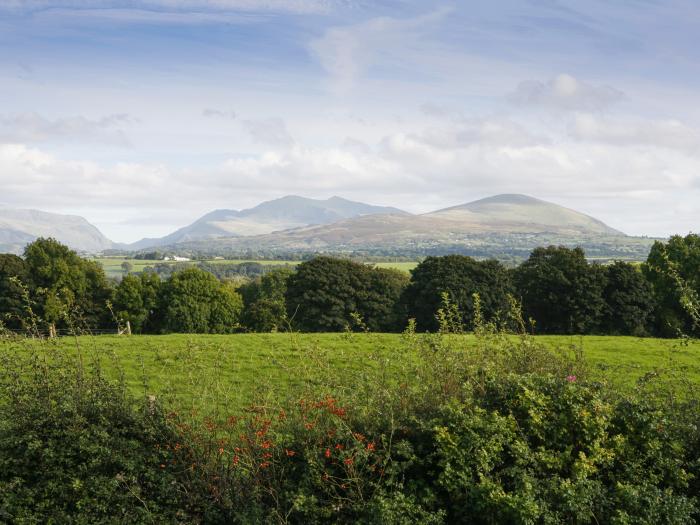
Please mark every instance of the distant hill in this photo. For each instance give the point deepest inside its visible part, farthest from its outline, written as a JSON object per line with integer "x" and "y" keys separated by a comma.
{"x": 20, "y": 227}
{"x": 503, "y": 226}
{"x": 521, "y": 213}
{"x": 275, "y": 215}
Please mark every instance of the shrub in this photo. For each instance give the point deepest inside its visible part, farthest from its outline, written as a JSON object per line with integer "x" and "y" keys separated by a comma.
{"x": 75, "y": 448}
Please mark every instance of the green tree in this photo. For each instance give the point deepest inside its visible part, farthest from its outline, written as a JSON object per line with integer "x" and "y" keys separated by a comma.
{"x": 324, "y": 292}
{"x": 673, "y": 269}
{"x": 194, "y": 301}
{"x": 380, "y": 305}
{"x": 629, "y": 301}
{"x": 13, "y": 276}
{"x": 561, "y": 291}
{"x": 264, "y": 301}
{"x": 460, "y": 277}
{"x": 135, "y": 300}
{"x": 65, "y": 286}
{"x": 127, "y": 267}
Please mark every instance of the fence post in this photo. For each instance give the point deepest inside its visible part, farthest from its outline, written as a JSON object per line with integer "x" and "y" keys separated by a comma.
{"x": 52, "y": 330}
{"x": 128, "y": 328}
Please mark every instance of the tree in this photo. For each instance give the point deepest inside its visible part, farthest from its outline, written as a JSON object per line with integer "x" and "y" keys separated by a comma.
{"x": 127, "y": 267}
{"x": 629, "y": 301}
{"x": 673, "y": 269}
{"x": 561, "y": 291}
{"x": 13, "y": 276}
{"x": 135, "y": 300}
{"x": 66, "y": 287}
{"x": 460, "y": 277}
{"x": 194, "y": 301}
{"x": 380, "y": 305}
{"x": 324, "y": 293}
{"x": 264, "y": 301}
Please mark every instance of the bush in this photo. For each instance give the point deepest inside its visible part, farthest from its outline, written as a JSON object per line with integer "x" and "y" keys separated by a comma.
{"x": 75, "y": 448}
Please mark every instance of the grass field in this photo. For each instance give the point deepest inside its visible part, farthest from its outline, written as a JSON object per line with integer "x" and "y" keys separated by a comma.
{"x": 112, "y": 265}
{"x": 228, "y": 371}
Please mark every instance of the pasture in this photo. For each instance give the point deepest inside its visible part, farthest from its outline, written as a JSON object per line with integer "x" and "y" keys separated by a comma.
{"x": 225, "y": 372}
{"x": 112, "y": 265}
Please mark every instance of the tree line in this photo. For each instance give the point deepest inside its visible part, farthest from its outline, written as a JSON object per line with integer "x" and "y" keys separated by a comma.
{"x": 559, "y": 291}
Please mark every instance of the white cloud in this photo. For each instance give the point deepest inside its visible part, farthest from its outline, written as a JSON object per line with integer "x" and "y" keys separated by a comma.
{"x": 220, "y": 113}
{"x": 348, "y": 52}
{"x": 269, "y": 132}
{"x": 32, "y": 127}
{"x": 565, "y": 92}
{"x": 671, "y": 134}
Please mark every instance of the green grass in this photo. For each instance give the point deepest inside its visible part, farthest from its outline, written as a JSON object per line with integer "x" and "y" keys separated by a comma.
{"x": 225, "y": 372}
{"x": 112, "y": 264}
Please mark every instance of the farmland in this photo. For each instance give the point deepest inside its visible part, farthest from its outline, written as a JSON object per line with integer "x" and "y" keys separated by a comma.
{"x": 204, "y": 371}
{"x": 113, "y": 264}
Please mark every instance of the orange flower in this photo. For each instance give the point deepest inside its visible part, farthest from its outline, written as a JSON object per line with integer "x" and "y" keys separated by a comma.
{"x": 235, "y": 460}
{"x": 266, "y": 444}
{"x": 328, "y": 453}
{"x": 370, "y": 446}
{"x": 339, "y": 447}
{"x": 289, "y": 453}
{"x": 348, "y": 461}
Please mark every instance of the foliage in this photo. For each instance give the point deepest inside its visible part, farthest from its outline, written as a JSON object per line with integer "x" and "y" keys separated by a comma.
{"x": 13, "y": 275}
{"x": 135, "y": 301}
{"x": 560, "y": 291}
{"x": 629, "y": 301}
{"x": 329, "y": 294}
{"x": 65, "y": 286}
{"x": 460, "y": 277}
{"x": 194, "y": 301}
{"x": 75, "y": 448}
{"x": 264, "y": 303}
{"x": 673, "y": 269}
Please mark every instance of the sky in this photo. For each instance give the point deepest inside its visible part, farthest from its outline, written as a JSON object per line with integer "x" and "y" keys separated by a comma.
{"x": 143, "y": 115}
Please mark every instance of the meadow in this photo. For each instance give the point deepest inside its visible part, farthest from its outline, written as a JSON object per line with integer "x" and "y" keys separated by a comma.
{"x": 216, "y": 373}
{"x": 112, "y": 265}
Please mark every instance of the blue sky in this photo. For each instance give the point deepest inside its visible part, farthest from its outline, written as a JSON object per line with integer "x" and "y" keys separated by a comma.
{"x": 143, "y": 115}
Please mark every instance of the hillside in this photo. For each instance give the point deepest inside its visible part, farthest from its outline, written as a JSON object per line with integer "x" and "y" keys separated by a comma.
{"x": 503, "y": 226}
{"x": 20, "y": 227}
{"x": 275, "y": 215}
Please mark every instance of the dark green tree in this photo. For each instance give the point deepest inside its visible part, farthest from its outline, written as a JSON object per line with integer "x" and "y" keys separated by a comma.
{"x": 629, "y": 301}
{"x": 324, "y": 292}
{"x": 561, "y": 291}
{"x": 13, "y": 276}
{"x": 135, "y": 300}
{"x": 673, "y": 269}
{"x": 460, "y": 277}
{"x": 380, "y": 305}
{"x": 264, "y": 301}
{"x": 65, "y": 286}
{"x": 194, "y": 301}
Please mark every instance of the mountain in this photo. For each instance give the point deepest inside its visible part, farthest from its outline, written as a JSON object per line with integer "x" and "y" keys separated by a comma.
{"x": 20, "y": 227}
{"x": 279, "y": 214}
{"x": 504, "y": 226}
{"x": 521, "y": 213}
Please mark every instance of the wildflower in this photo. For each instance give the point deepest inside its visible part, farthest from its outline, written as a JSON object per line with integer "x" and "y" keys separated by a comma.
{"x": 289, "y": 453}
{"x": 221, "y": 450}
{"x": 162, "y": 465}
{"x": 235, "y": 460}
{"x": 309, "y": 426}
{"x": 370, "y": 446}
{"x": 328, "y": 453}
{"x": 339, "y": 447}
{"x": 348, "y": 461}
{"x": 266, "y": 444}
{"x": 267, "y": 455}
{"x": 571, "y": 379}
{"x": 359, "y": 437}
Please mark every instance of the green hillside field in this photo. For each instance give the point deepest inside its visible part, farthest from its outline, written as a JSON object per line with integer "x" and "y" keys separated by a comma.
{"x": 226, "y": 372}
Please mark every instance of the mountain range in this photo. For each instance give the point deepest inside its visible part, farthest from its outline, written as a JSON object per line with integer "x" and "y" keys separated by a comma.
{"x": 502, "y": 224}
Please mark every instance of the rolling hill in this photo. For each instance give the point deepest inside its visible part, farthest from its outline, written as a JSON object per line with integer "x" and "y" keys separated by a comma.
{"x": 502, "y": 226}
{"x": 271, "y": 216}
{"x": 20, "y": 227}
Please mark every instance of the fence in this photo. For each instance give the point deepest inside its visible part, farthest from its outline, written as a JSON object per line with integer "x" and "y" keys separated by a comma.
{"x": 51, "y": 331}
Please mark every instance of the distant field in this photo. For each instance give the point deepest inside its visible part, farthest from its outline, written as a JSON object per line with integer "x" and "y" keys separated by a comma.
{"x": 226, "y": 371}
{"x": 112, "y": 265}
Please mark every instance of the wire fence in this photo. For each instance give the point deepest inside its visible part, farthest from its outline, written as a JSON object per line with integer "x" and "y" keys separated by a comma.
{"x": 51, "y": 331}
